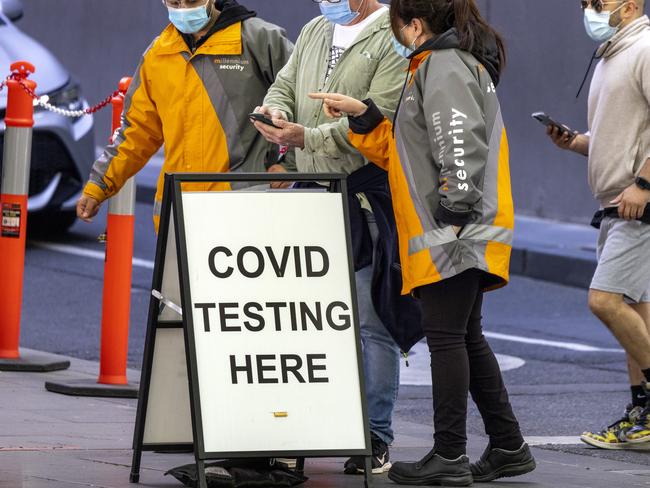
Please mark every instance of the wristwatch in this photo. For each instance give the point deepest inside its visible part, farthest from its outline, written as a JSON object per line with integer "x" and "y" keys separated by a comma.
{"x": 642, "y": 183}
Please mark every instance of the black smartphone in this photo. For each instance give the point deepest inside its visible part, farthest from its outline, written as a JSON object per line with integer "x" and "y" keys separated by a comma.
{"x": 262, "y": 118}
{"x": 546, "y": 120}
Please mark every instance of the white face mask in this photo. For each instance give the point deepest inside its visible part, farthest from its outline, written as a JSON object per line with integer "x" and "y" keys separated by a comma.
{"x": 597, "y": 24}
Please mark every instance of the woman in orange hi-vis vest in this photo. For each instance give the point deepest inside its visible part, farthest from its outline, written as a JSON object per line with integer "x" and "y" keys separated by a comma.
{"x": 447, "y": 161}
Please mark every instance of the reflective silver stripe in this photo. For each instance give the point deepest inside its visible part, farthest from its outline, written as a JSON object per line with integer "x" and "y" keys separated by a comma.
{"x": 442, "y": 260}
{"x": 17, "y": 159}
{"x": 433, "y": 238}
{"x": 480, "y": 232}
{"x": 490, "y": 200}
{"x": 157, "y": 208}
{"x": 471, "y": 232}
{"x": 100, "y": 168}
{"x": 124, "y": 202}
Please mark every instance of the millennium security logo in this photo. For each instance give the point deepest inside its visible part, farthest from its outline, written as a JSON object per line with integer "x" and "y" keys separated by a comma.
{"x": 232, "y": 63}
{"x": 456, "y": 139}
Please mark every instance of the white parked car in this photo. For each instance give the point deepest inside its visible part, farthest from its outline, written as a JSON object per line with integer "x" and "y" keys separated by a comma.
{"x": 63, "y": 149}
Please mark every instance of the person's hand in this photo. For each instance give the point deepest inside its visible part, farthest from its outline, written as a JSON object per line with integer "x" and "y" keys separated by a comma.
{"x": 563, "y": 140}
{"x": 277, "y": 185}
{"x": 285, "y": 134}
{"x": 571, "y": 141}
{"x": 632, "y": 202}
{"x": 87, "y": 208}
{"x": 337, "y": 105}
{"x": 271, "y": 113}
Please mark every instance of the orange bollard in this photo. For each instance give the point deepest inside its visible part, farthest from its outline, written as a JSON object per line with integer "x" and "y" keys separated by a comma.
{"x": 117, "y": 272}
{"x": 19, "y": 121}
{"x": 116, "y": 299}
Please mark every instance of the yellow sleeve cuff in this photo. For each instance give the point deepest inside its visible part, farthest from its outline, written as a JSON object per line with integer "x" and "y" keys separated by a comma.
{"x": 94, "y": 191}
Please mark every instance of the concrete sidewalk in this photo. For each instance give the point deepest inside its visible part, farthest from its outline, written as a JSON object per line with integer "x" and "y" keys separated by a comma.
{"x": 54, "y": 441}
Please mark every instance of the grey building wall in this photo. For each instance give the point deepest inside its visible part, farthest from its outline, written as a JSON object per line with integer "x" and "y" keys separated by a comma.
{"x": 101, "y": 40}
{"x": 548, "y": 55}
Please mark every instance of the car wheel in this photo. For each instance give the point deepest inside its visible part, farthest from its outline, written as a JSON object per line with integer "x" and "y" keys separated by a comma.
{"x": 46, "y": 224}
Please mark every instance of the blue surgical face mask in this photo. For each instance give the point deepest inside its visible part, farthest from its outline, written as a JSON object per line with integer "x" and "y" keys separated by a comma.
{"x": 189, "y": 20}
{"x": 597, "y": 24}
{"x": 339, "y": 13}
{"x": 400, "y": 48}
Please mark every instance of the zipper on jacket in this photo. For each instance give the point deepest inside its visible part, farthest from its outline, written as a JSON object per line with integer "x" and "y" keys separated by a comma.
{"x": 405, "y": 355}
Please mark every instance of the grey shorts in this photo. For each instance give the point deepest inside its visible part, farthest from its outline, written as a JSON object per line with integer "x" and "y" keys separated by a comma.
{"x": 624, "y": 259}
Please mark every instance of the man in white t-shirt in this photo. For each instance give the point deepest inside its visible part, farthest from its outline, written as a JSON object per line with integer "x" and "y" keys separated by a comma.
{"x": 349, "y": 50}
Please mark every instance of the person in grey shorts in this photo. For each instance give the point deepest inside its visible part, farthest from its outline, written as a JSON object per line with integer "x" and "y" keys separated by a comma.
{"x": 618, "y": 148}
{"x": 624, "y": 259}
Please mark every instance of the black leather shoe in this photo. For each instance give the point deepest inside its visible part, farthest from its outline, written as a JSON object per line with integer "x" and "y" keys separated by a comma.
{"x": 433, "y": 469}
{"x": 499, "y": 463}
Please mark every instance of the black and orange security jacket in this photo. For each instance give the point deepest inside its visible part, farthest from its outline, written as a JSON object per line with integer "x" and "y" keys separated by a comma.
{"x": 448, "y": 165}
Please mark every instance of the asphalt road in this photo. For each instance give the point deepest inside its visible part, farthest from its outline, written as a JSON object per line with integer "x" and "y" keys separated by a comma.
{"x": 564, "y": 371}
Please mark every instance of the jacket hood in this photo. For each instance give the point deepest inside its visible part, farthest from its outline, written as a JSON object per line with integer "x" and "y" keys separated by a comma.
{"x": 231, "y": 13}
{"x": 624, "y": 38}
{"x": 449, "y": 40}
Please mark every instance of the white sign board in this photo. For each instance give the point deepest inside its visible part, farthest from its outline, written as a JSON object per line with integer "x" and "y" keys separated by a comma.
{"x": 275, "y": 341}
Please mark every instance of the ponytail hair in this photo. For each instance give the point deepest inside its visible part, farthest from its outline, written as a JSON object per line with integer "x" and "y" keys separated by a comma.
{"x": 474, "y": 33}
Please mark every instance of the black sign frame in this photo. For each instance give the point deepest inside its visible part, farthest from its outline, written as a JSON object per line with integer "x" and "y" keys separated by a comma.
{"x": 172, "y": 204}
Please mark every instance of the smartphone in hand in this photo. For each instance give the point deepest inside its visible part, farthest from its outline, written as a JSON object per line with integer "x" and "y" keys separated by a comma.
{"x": 262, "y": 118}
{"x": 544, "y": 119}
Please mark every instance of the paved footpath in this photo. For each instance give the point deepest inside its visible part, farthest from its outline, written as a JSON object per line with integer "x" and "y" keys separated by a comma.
{"x": 55, "y": 441}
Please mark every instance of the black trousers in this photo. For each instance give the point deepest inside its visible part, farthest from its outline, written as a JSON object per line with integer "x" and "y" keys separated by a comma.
{"x": 461, "y": 362}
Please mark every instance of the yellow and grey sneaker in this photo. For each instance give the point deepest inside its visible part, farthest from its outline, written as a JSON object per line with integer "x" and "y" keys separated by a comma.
{"x": 639, "y": 434}
{"x": 614, "y": 436}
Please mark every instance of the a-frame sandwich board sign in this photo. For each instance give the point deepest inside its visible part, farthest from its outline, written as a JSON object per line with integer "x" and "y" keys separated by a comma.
{"x": 253, "y": 346}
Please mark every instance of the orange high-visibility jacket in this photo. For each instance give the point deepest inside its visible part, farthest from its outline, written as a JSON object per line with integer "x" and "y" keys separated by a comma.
{"x": 447, "y": 164}
{"x": 197, "y": 105}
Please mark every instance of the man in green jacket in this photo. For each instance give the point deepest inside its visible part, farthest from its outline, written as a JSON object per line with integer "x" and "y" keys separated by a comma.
{"x": 347, "y": 49}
